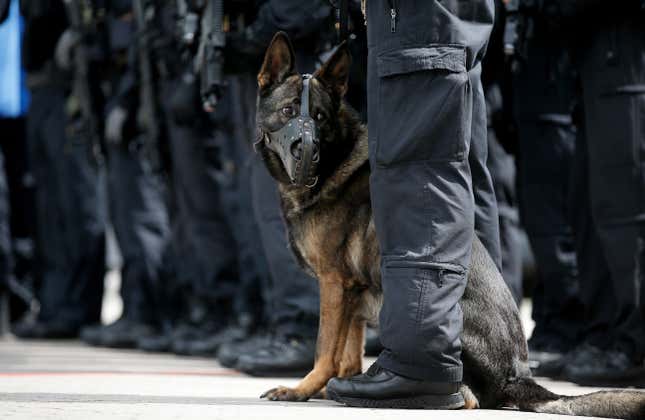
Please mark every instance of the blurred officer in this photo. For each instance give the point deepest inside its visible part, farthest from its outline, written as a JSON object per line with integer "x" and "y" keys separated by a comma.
{"x": 290, "y": 296}
{"x": 203, "y": 271}
{"x": 71, "y": 243}
{"x": 416, "y": 47}
{"x": 137, "y": 206}
{"x": 609, "y": 182}
{"x": 545, "y": 74}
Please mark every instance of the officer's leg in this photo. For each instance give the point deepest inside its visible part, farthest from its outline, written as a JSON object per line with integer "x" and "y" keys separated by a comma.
{"x": 613, "y": 75}
{"x": 596, "y": 292}
{"x": 84, "y": 220}
{"x": 421, "y": 182}
{"x": 46, "y": 136}
{"x": 251, "y": 299}
{"x": 139, "y": 217}
{"x": 203, "y": 239}
{"x": 254, "y": 298}
{"x": 547, "y": 138}
{"x": 70, "y": 239}
{"x": 44, "y": 177}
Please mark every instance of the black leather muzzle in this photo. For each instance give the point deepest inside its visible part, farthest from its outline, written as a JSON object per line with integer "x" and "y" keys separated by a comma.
{"x": 297, "y": 143}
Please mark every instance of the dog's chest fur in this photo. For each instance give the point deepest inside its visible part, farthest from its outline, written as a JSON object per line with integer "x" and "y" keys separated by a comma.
{"x": 335, "y": 237}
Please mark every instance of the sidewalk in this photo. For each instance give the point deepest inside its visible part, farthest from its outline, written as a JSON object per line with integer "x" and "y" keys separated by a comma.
{"x": 67, "y": 380}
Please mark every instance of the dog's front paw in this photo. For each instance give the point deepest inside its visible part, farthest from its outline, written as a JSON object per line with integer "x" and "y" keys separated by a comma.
{"x": 282, "y": 393}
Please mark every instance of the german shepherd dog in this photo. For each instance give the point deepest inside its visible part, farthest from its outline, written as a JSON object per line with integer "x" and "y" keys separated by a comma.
{"x": 332, "y": 233}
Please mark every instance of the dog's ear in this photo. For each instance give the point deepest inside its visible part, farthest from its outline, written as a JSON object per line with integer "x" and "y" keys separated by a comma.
{"x": 279, "y": 62}
{"x": 334, "y": 73}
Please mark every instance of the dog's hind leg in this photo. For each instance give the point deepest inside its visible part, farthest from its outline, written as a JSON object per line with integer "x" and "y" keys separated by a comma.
{"x": 336, "y": 313}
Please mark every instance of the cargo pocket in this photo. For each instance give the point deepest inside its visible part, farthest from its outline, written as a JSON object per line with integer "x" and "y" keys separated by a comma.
{"x": 420, "y": 314}
{"x": 424, "y": 105}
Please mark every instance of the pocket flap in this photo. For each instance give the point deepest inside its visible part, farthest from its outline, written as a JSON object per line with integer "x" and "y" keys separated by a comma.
{"x": 408, "y": 60}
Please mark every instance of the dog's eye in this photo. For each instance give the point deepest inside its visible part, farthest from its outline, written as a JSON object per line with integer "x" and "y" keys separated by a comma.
{"x": 320, "y": 117}
{"x": 289, "y": 111}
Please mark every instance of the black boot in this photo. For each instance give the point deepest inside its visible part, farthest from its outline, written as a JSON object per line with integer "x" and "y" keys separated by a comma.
{"x": 580, "y": 355}
{"x": 229, "y": 353}
{"x": 124, "y": 333}
{"x": 162, "y": 340}
{"x": 208, "y": 346}
{"x": 611, "y": 367}
{"x": 282, "y": 357}
{"x": 51, "y": 329}
{"x": 90, "y": 334}
{"x": 546, "y": 349}
{"x": 381, "y": 388}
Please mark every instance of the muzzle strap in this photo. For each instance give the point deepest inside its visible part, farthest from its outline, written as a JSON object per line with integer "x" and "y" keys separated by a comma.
{"x": 304, "y": 99}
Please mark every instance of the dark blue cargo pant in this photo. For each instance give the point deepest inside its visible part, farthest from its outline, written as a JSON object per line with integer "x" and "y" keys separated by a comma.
{"x": 202, "y": 243}
{"x": 203, "y": 240}
{"x": 70, "y": 219}
{"x": 544, "y": 100}
{"x": 611, "y": 180}
{"x": 427, "y": 139}
{"x": 233, "y": 124}
{"x": 139, "y": 215}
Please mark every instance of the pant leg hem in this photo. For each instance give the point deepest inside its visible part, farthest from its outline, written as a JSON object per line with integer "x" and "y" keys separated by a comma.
{"x": 434, "y": 373}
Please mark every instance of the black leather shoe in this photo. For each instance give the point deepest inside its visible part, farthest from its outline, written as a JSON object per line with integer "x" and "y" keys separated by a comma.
{"x": 182, "y": 344}
{"x": 208, "y": 346}
{"x": 229, "y": 353}
{"x": 609, "y": 368}
{"x": 381, "y": 388}
{"x": 42, "y": 330}
{"x": 282, "y": 357}
{"x": 545, "y": 350}
{"x": 155, "y": 343}
{"x": 90, "y": 334}
{"x": 161, "y": 341}
{"x": 124, "y": 334}
{"x": 581, "y": 355}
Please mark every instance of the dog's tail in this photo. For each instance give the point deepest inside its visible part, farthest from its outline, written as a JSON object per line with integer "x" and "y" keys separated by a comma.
{"x": 527, "y": 395}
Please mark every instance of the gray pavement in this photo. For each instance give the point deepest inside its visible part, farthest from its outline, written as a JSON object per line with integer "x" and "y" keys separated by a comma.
{"x": 68, "y": 380}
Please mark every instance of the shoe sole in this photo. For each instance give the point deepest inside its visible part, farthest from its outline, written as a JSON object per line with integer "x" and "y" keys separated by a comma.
{"x": 426, "y": 402}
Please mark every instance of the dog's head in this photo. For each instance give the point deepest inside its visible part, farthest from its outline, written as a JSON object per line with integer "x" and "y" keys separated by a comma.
{"x": 301, "y": 142}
